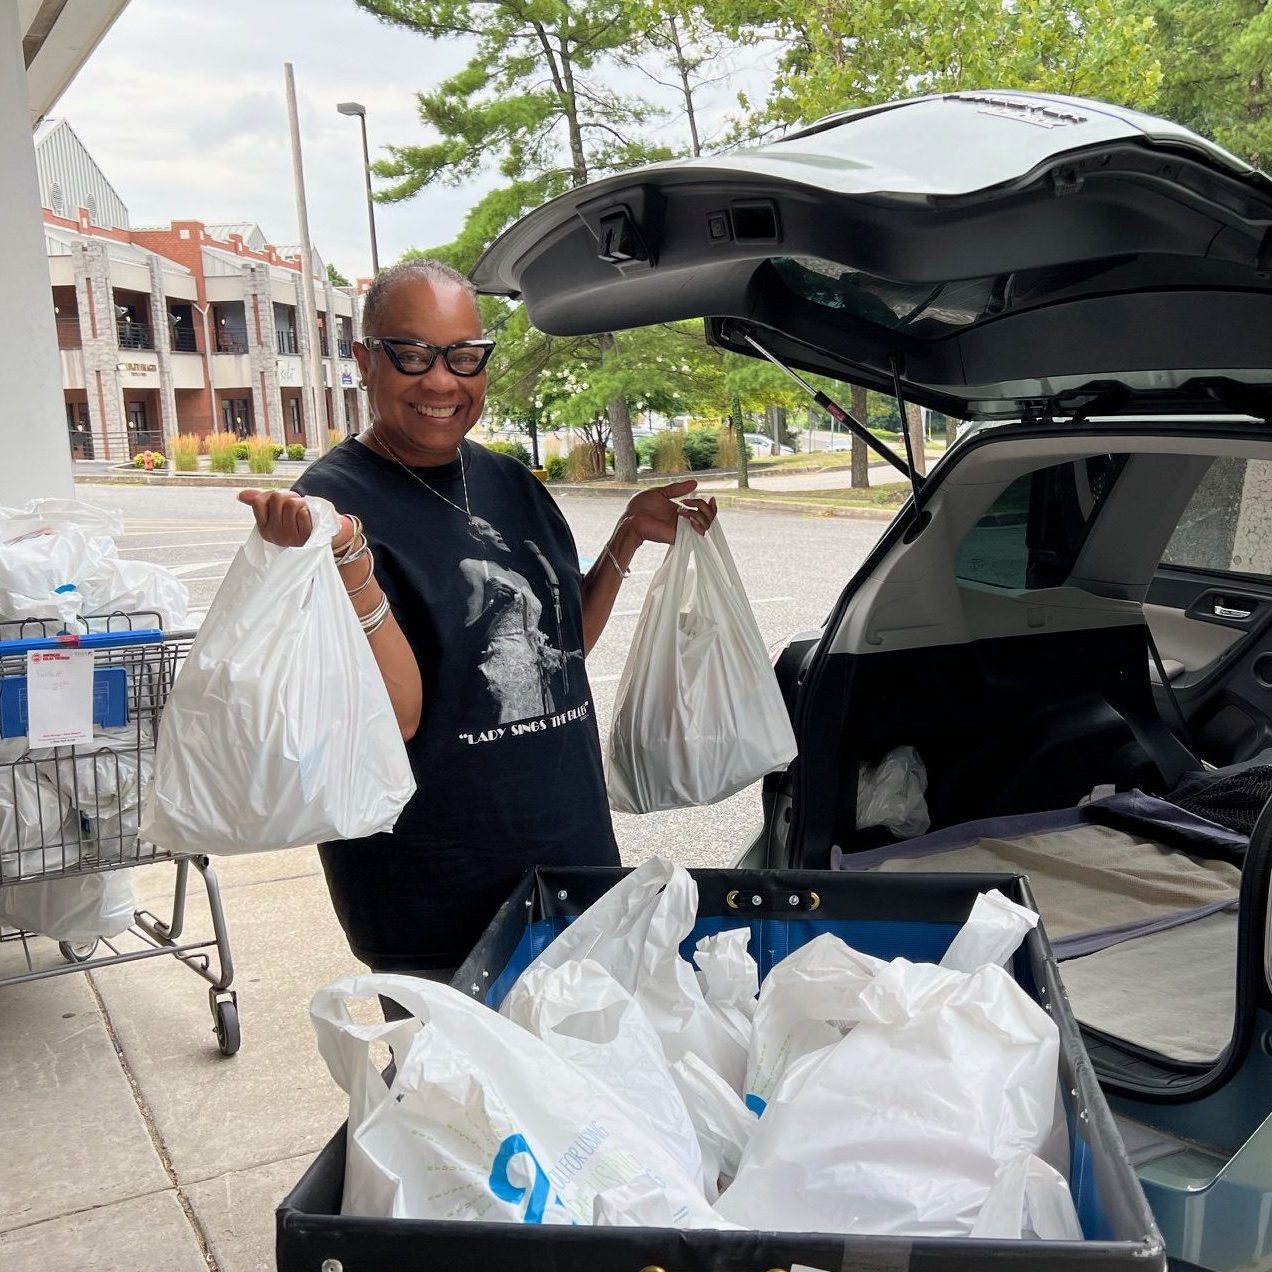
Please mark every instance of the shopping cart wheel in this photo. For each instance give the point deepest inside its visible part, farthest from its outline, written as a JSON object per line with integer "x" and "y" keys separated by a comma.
{"x": 225, "y": 1022}
{"x": 77, "y": 951}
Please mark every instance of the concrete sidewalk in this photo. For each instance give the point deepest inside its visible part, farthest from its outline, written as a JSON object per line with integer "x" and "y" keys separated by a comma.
{"x": 130, "y": 1143}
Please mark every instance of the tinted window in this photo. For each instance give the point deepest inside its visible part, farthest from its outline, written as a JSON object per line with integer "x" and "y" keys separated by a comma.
{"x": 1034, "y": 530}
{"x": 1227, "y": 525}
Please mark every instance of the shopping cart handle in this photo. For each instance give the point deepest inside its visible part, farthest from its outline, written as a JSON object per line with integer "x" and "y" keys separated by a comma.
{"x": 82, "y": 640}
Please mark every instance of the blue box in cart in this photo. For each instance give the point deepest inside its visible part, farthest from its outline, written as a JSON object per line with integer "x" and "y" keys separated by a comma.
{"x": 915, "y": 916}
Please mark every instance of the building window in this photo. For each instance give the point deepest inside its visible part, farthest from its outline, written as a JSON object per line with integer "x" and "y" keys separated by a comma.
{"x": 236, "y": 416}
{"x": 294, "y": 406}
{"x": 56, "y": 201}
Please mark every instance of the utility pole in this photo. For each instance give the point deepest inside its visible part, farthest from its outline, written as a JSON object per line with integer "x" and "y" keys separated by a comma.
{"x": 309, "y": 315}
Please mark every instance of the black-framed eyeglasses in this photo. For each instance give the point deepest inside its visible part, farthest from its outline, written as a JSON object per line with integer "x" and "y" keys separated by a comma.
{"x": 416, "y": 357}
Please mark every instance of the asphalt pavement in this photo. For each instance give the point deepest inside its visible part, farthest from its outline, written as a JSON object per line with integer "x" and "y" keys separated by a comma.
{"x": 132, "y": 1145}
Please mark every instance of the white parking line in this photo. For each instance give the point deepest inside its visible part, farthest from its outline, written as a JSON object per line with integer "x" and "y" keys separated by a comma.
{"x": 762, "y": 600}
{"x": 158, "y": 547}
{"x": 181, "y": 571}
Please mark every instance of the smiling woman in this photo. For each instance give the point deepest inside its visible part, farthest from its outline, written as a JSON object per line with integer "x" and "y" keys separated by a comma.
{"x": 466, "y": 578}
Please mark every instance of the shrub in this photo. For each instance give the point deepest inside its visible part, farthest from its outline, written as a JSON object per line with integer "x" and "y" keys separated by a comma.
{"x": 556, "y": 466}
{"x": 241, "y": 450}
{"x": 700, "y": 446}
{"x": 669, "y": 452}
{"x": 221, "y": 450}
{"x": 185, "y": 453}
{"x": 279, "y": 450}
{"x": 260, "y": 455}
{"x": 139, "y": 459}
{"x": 583, "y": 463}
{"x": 645, "y": 447}
{"x": 515, "y": 449}
{"x": 296, "y": 451}
{"x": 726, "y": 449}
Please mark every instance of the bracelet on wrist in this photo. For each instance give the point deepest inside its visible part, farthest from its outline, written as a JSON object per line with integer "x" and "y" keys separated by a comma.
{"x": 609, "y": 552}
{"x": 342, "y": 553}
{"x": 376, "y": 618}
{"x": 366, "y": 583}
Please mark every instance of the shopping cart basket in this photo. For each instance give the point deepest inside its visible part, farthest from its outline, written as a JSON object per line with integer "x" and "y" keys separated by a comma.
{"x": 73, "y": 811}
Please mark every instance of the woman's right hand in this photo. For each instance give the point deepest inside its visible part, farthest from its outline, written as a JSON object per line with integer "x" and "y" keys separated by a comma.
{"x": 283, "y": 518}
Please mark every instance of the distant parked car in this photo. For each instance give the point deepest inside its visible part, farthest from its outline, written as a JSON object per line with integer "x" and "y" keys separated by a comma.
{"x": 762, "y": 445}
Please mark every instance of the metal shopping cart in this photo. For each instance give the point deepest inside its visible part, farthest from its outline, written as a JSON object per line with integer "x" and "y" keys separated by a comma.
{"x": 71, "y": 813}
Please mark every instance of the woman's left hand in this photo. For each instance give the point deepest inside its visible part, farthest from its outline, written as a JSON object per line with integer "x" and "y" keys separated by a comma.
{"x": 653, "y": 514}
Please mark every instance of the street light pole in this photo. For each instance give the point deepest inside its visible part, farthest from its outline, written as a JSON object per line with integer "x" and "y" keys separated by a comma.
{"x": 356, "y": 108}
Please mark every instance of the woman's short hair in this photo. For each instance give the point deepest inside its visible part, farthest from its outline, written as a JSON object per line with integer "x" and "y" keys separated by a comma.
{"x": 424, "y": 270}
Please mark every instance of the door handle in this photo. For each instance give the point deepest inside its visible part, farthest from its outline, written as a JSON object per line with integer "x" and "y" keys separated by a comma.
{"x": 1223, "y": 610}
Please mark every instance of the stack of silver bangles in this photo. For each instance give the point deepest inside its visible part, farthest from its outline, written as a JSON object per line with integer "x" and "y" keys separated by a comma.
{"x": 355, "y": 550}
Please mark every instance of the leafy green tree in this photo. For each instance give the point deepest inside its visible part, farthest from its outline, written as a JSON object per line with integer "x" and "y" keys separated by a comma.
{"x": 335, "y": 277}
{"x": 840, "y": 56}
{"x": 1217, "y": 70}
{"x": 538, "y": 104}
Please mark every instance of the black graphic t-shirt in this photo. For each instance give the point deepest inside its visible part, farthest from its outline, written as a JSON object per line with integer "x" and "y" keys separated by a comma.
{"x": 507, "y": 760}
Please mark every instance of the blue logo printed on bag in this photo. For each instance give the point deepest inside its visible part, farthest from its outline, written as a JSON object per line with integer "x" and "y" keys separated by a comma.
{"x": 513, "y": 1147}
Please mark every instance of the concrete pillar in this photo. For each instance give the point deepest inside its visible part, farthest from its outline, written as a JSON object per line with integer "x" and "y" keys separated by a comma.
{"x": 262, "y": 348}
{"x": 37, "y": 458}
{"x": 364, "y": 411}
{"x": 99, "y": 334}
{"x": 311, "y": 411}
{"x": 163, "y": 352}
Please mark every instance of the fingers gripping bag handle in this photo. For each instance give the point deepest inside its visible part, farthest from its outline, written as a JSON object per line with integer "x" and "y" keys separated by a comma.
{"x": 279, "y": 731}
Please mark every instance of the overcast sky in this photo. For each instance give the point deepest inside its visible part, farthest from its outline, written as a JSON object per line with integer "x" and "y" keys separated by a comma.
{"x": 183, "y": 106}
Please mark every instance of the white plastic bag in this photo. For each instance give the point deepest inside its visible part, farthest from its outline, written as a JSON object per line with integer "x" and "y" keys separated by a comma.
{"x": 38, "y": 830}
{"x": 80, "y": 907}
{"x": 722, "y": 1122}
{"x": 483, "y": 1120}
{"x": 808, "y": 1002}
{"x": 634, "y": 931}
{"x": 992, "y": 934}
{"x": 1029, "y": 1199}
{"x": 902, "y": 1127}
{"x": 698, "y": 715}
{"x": 58, "y": 559}
{"x": 279, "y": 731}
{"x": 891, "y": 794}
{"x": 730, "y": 980}
{"x": 588, "y": 1018}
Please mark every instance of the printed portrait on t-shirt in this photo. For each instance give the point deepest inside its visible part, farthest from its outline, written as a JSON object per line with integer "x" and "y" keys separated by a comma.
{"x": 518, "y": 662}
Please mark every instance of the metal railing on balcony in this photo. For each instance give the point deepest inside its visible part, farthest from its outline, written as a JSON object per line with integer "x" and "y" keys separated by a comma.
{"x": 287, "y": 342}
{"x": 183, "y": 340}
{"x": 135, "y": 335}
{"x": 344, "y": 348}
{"x": 323, "y": 347}
{"x": 228, "y": 340}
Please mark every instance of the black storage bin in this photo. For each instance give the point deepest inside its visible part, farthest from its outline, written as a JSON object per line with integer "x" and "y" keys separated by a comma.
{"x": 886, "y": 915}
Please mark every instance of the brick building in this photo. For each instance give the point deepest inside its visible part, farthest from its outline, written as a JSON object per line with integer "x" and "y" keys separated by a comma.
{"x": 184, "y": 327}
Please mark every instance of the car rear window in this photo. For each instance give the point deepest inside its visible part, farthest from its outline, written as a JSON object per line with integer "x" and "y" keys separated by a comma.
{"x": 1032, "y": 533}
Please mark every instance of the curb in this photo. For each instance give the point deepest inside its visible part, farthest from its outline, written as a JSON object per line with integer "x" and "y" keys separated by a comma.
{"x": 740, "y": 502}
{"x": 271, "y": 481}
{"x": 240, "y": 481}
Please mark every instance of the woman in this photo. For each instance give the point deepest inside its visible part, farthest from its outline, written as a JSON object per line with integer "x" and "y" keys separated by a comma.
{"x": 465, "y": 577}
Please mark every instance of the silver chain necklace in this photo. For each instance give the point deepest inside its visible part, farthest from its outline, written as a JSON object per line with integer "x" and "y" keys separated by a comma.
{"x": 466, "y": 509}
